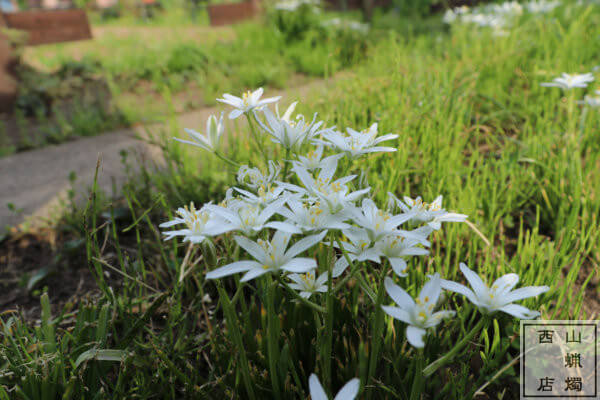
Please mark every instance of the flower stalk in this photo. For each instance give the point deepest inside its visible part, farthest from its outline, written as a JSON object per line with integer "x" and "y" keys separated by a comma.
{"x": 449, "y": 356}
{"x": 233, "y": 326}
{"x": 378, "y": 325}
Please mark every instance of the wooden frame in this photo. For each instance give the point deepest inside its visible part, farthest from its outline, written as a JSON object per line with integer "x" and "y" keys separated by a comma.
{"x": 226, "y": 14}
{"x": 54, "y": 26}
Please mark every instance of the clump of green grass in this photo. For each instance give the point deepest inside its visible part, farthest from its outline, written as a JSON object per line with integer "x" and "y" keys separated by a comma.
{"x": 474, "y": 125}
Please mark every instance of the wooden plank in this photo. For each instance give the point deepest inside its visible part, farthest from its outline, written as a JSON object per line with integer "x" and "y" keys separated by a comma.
{"x": 53, "y": 26}
{"x": 226, "y": 14}
{"x": 8, "y": 83}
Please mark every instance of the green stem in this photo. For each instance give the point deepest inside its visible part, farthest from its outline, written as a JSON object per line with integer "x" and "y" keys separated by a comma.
{"x": 233, "y": 327}
{"x": 416, "y": 390}
{"x": 378, "y": 326}
{"x": 287, "y": 163}
{"x": 227, "y": 160}
{"x": 582, "y": 124}
{"x": 273, "y": 336}
{"x": 255, "y": 137}
{"x": 354, "y": 269}
{"x": 327, "y": 348}
{"x": 446, "y": 358}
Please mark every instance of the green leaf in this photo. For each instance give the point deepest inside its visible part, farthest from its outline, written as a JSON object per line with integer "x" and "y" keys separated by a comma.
{"x": 39, "y": 275}
{"x": 101, "y": 355}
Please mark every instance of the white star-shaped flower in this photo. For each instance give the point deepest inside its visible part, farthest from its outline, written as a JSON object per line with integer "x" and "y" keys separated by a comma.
{"x": 289, "y": 133}
{"x": 308, "y": 284}
{"x": 250, "y": 218}
{"x": 418, "y": 313}
{"x": 356, "y": 144}
{"x": 499, "y": 297}
{"x": 311, "y": 217}
{"x": 593, "y": 102}
{"x": 314, "y": 159}
{"x": 568, "y": 81}
{"x": 254, "y": 178}
{"x": 199, "y": 224}
{"x": 248, "y": 102}
{"x": 431, "y": 214}
{"x": 270, "y": 256}
{"x": 210, "y": 140}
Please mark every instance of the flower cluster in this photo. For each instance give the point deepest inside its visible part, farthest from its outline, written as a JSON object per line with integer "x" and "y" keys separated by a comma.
{"x": 497, "y": 16}
{"x": 284, "y": 212}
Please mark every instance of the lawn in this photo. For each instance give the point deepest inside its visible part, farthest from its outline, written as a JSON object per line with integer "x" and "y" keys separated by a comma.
{"x": 228, "y": 314}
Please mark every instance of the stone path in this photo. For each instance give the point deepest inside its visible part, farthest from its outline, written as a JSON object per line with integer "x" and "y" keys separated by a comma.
{"x": 36, "y": 181}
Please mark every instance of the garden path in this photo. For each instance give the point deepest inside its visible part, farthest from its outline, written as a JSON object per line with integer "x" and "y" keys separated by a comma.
{"x": 37, "y": 182}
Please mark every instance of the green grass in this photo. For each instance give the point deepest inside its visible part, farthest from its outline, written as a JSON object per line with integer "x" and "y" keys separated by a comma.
{"x": 474, "y": 125}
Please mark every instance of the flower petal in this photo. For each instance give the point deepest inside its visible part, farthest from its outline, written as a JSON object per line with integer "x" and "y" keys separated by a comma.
{"x": 415, "y": 336}
{"x": 431, "y": 290}
{"x": 400, "y": 297}
{"x": 525, "y": 292}
{"x": 479, "y": 288}
{"x": 349, "y": 391}
{"x": 519, "y": 311}
{"x": 461, "y": 289}
{"x": 304, "y": 244}
{"x": 251, "y": 248}
{"x": 254, "y": 273}
{"x": 397, "y": 313}
{"x": 316, "y": 390}
{"x": 398, "y": 265}
{"x": 299, "y": 265}
{"x": 233, "y": 268}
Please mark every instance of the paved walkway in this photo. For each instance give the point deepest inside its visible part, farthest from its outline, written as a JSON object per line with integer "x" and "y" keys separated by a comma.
{"x": 35, "y": 181}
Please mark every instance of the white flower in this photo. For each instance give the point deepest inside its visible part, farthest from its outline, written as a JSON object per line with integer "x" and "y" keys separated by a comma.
{"x": 289, "y": 133}
{"x": 449, "y": 17}
{"x": 313, "y": 159}
{"x": 270, "y": 257}
{"x": 567, "y": 81}
{"x": 308, "y": 283}
{"x": 355, "y": 144}
{"x": 418, "y": 313}
{"x": 209, "y": 141}
{"x": 593, "y": 102}
{"x": 250, "y": 218}
{"x": 499, "y": 297}
{"x": 348, "y": 392}
{"x": 335, "y": 195}
{"x": 378, "y": 223}
{"x": 248, "y": 102}
{"x": 264, "y": 195}
{"x": 507, "y": 8}
{"x": 254, "y": 177}
{"x": 311, "y": 217}
{"x": 200, "y": 224}
{"x": 432, "y": 214}
{"x": 358, "y": 247}
{"x": 541, "y": 6}
{"x": 395, "y": 247}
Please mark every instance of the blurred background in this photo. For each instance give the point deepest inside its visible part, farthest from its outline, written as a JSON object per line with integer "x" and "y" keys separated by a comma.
{"x": 71, "y": 68}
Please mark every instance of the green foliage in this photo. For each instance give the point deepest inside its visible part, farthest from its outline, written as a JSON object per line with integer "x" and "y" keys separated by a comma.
{"x": 295, "y": 23}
